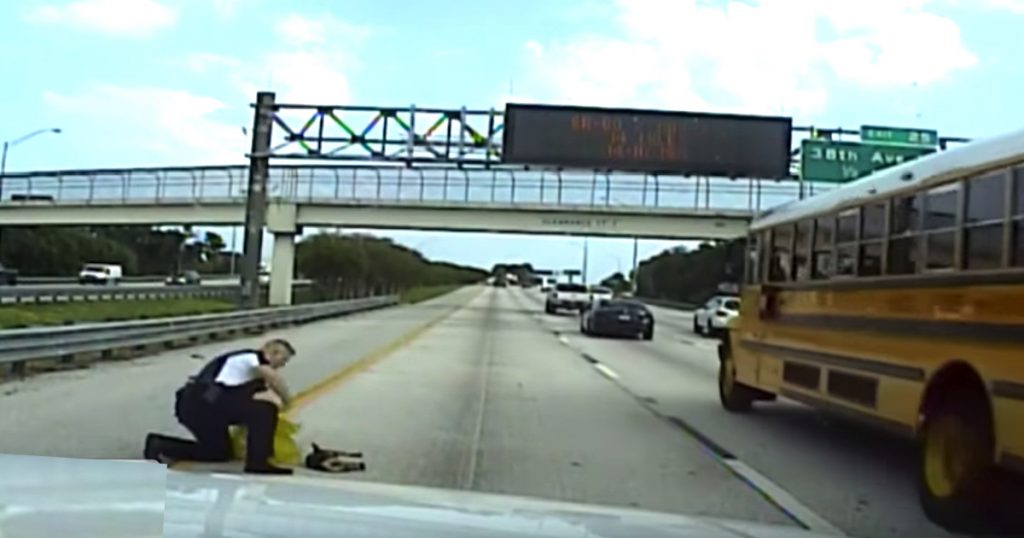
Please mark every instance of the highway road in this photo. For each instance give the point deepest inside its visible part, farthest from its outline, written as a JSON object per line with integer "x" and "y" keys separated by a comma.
{"x": 480, "y": 390}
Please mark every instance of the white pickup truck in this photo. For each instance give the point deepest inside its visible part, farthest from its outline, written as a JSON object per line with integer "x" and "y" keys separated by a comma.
{"x": 567, "y": 297}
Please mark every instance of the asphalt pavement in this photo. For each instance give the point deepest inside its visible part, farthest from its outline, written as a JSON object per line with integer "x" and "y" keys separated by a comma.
{"x": 480, "y": 390}
{"x": 858, "y": 479}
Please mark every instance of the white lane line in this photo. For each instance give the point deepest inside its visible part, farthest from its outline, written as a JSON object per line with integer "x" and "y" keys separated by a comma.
{"x": 781, "y": 498}
{"x": 606, "y": 371}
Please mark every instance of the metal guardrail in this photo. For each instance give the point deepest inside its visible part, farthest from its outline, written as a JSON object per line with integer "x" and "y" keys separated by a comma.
{"x": 21, "y": 295}
{"x": 20, "y": 345}
{"x": 12, "y": 295}
{"x": 130, "y": 279}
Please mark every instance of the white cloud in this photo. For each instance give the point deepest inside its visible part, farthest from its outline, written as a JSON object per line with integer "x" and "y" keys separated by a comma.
{"x": 299, "y": 30}
{"x": 126, "y": 18}
{"x": 226, "y": 8}
{"x": 174, "y": 124}
{"x": 180, "y": 127}
{"x": 761, "y": 56}
{"x": 309, "y": 77}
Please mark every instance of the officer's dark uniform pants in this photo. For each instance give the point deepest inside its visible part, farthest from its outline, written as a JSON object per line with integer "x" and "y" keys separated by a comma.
{"x": 209, "y": 423}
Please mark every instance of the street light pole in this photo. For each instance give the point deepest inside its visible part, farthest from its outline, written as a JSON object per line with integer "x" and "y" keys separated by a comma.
{"x": 11, "y": 143}
{"x": 3, "y": 161}
{"x": 634, "y": 275}
{"x": 8, "y": 144}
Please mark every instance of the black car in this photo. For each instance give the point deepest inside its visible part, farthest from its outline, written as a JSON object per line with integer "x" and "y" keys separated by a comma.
{"x": 618, "y": 317}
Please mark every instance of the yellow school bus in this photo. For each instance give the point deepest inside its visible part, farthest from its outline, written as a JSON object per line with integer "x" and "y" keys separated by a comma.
{"x": 899, "y": 299}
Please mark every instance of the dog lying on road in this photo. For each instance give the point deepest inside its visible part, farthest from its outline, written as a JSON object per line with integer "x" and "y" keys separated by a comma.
{"x": 334, "y": 461}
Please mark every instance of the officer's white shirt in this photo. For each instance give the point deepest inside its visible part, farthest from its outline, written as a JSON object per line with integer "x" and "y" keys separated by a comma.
{"x": 238, "y": 369}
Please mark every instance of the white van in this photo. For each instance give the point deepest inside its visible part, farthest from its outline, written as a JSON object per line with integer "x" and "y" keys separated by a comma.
{"x": 100, "y": 273}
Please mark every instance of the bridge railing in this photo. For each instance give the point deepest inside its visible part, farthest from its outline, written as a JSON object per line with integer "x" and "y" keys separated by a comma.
{"x": 383, "y": 184}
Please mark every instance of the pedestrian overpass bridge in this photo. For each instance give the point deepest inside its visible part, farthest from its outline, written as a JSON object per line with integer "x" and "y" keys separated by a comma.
{"x": 450, "y": 198}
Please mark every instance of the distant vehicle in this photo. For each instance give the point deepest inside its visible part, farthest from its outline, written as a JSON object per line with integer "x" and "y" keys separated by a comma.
{"x": 567, "y": 297}
{"x": 599, "y": 293}
{"x": 616, "y": 317}
{"x": 184, "y": 278}
{"x": 31, "y": 198}
{"x": 548, "y": 284}
{"x": 8, "y": 276}
{"x": 500, "y": 280}
{"x": 100, "y": 273}
{"x": 712, "y": 318}
{"x": 264, "y": 276}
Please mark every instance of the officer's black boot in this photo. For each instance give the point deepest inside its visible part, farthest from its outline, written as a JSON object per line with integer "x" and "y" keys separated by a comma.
{"x": 164, "y": 447}
{"x": 261, "y": 424}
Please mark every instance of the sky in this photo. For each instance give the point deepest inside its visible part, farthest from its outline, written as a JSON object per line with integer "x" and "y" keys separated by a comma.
{"x": 169, "y": 82}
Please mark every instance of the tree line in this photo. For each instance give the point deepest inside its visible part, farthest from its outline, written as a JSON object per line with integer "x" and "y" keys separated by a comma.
{"x": 686, "y": 276}
{"x": 140, "y": 250}
{"x": 355, "y": 265}
{"x": 691, "y": 276}
{"x": 341, "y": 265}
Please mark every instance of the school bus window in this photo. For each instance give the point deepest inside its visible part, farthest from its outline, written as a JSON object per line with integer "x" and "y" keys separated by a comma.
{"x": 752, "y": 259}
{"x": 821, "y": 263}
{"x": 846, "y": 260}
{"x": 1017, "y": 252}
{"x": 983, "y": 221}
{"x": 904, "y": 248}
{"x": 763, "y": 255}
{"x": 872, "y": 221}
{"x": 1018, "y": 191}
{"x": 802, "y": 250}
{"x": 940, "y": 248}
{"x": 983, "y": 246}
{"x": 903, "y": 255}
{"x": 782, "y": 241}
{"x": 870, "y": 259}
{"x": 846, "y": 243}
{"x": 940, "y": 217}
{"x": 847, "y": 226}
{"x": 906, "y": 212}
{"x": 985, "y": 197}
{"x": 941, "y": 207}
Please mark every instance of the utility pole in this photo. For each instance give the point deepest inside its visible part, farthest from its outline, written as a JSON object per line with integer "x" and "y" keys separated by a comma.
{"x": 585, "y": 256}
{"x": 256, "y": 199}
{"x": 636, "y": 273}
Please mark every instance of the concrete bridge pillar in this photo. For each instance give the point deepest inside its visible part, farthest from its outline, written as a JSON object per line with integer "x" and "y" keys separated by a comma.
{"x": 281, "y": 222}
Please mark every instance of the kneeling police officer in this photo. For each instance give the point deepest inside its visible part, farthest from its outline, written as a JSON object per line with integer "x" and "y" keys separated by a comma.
{"x": 223, "y": 394}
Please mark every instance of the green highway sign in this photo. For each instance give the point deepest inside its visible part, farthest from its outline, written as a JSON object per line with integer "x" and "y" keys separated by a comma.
{"x": 899, "y": 135}
{"x": 838, "y": 162}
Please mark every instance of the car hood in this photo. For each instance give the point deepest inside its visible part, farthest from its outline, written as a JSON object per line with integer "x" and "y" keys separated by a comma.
{"x": 328, "y": 507}
{"x": 47, "y": 497}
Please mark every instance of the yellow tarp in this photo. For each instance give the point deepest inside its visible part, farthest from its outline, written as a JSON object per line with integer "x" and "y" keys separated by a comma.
{"x": 286, "y": 450}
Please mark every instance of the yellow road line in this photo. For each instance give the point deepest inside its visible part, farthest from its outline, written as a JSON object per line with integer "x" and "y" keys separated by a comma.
{"x": 308, "y": 395}
{"x": 305, "y": 397}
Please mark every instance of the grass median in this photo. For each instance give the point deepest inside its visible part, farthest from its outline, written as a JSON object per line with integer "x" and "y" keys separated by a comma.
{"x": 424, "y": 293}
{"x": 37, "y": 315}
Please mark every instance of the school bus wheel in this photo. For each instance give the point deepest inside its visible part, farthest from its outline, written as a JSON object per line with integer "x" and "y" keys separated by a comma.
{"x": 955, "y": 471}
{"x": 735, "y": 396}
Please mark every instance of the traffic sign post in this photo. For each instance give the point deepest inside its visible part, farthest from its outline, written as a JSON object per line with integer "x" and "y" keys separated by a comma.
{"x": 838, "y": 162}
{"x": 899, "y": 136}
